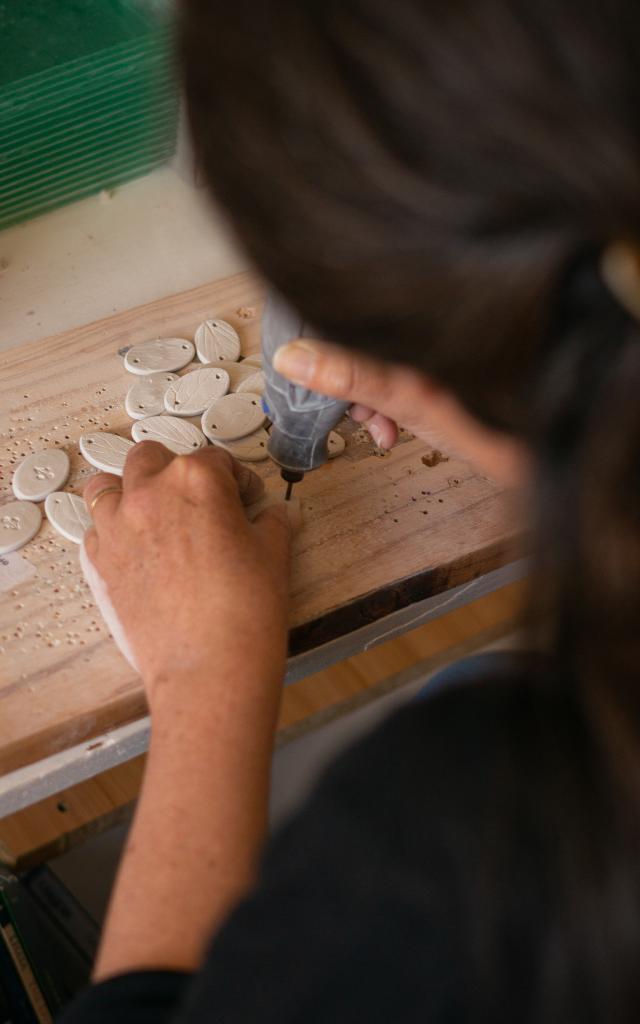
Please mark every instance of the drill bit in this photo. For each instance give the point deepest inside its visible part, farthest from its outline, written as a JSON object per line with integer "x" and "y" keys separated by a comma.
{"x": 291, "y": 477}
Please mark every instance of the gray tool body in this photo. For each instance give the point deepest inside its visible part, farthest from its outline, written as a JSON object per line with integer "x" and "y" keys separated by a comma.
{"x": 302, "y": 419}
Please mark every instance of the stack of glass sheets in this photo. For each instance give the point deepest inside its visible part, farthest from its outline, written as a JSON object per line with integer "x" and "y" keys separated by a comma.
{"x": 88, "y": 98}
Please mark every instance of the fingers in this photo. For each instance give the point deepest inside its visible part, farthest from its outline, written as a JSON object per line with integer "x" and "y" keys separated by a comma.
{"x": 398, "y": 392}
{"x": 274, "y": 526}
{"x": 247, "y": 483}
{"x": 145, "y": 459}
{"x": 360, "y": 413}
{"x": 200, "y": 473}
{"x": 213, "y": 475}
{"x": 383, "y": 430}
{"x": 289, "y": 509}
{"x": 333, "y": 370}
{"x": 149, "y": 458}
{"x": 103, "y": 494}
{"x": 250, "y": 485}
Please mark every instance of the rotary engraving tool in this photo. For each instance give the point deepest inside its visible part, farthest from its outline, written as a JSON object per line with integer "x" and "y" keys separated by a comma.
{"x": 302, "y": 419}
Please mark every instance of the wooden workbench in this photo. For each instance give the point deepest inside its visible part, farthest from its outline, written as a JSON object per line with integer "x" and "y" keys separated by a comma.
{"x": 379, "y": 532}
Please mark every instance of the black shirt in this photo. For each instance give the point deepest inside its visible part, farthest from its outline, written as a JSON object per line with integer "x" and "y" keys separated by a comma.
{"x": 416, "y": 875}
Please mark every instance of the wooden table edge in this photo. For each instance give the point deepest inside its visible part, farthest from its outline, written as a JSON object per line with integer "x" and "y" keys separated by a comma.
{"x": 340, "y": 622}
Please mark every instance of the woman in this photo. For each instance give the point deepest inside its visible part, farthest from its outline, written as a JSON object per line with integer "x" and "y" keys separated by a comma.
{"x": 435, "y": 184}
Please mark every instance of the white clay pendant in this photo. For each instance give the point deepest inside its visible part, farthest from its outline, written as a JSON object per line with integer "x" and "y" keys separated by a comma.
{"x": 217, "y": 340}
{"x": 160, "y": 356}
{"x": 145, "y": 397}
{"x": 179, "y": 436}
{"x": 68, "y": 514}
{"x": 196, "y": 391}
{"x": 255, "y": 359}
{"x": 19, "y": 523}
{"x": 254, "y": 383}
{"x": 106, "y": 451}
{"x": 237, "y": 372}
{"x": 40, "y": 474}
{"x": 252, "y": 448}
{"x": 233, "y": 417}
{"x": 336, "y": 444}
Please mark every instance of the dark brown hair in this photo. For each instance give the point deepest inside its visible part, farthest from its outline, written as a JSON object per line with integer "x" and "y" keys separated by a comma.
{"x": 434, "y": 181}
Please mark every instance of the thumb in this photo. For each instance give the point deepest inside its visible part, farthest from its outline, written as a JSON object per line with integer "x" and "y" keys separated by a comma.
{"x": 274, "y": 524}
{"x": 271, "y": 514}
{"x": 391, "y": 389}
{"x": 100, "y": 595}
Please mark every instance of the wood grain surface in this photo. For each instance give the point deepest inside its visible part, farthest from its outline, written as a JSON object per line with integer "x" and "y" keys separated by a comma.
{"x": 379, "y": 531}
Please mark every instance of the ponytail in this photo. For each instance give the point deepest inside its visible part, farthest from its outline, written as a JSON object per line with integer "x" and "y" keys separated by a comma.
{"x": 587, "y": 437}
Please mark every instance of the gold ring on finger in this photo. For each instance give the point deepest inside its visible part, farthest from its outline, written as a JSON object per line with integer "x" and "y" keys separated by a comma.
{"x": 112, "y": 489}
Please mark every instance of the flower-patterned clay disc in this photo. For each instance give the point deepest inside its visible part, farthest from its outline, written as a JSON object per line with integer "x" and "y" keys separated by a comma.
{"x": 217, "y": 340}
{"x": 336, "y": 444}
{"x": 233, "y": 416}
{"x": 159, "y": 356}
{"x": 195, "y": 392}
{"x": 252, "y": 448}
{"x": 68, "y": 514}
{"x": 145, "y": 397}
{"x": 254, "y": 383}
{"x": 40, "y": 474}
{"x": 105, "y": 451}
{"x": 19, "y": 523}
{"x": 237, "y": 372}
{"x": 179, "y": 436}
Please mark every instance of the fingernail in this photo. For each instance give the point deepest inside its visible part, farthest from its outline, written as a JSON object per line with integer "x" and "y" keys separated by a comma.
{"x": 376, "y": 434}
{"x": 295, "y": 361}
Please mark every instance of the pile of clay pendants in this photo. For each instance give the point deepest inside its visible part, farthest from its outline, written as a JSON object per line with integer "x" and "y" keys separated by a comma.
{"x": 183, "y": 394}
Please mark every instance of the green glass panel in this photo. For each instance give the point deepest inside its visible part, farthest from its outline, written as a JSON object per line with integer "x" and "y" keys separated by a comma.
{"x": 113, "y": 177}
{"x": 41, "y": 34}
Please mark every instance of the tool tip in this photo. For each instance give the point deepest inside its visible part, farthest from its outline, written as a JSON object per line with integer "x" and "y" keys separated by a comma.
{"x": 291, "y": 477}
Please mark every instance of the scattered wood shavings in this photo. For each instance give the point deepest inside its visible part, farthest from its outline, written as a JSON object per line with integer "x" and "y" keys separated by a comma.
{"x": 362, "y": 436}
{"x": 433, "y": 458}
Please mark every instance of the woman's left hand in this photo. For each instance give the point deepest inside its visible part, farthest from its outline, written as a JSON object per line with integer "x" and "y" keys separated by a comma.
{"x": 199, "y": 590}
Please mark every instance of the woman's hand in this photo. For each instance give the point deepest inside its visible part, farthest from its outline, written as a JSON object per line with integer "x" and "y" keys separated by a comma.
{"x": 200, "y": 591}
{"x": 202, "y": 594}
{"x": 385, "y": 395}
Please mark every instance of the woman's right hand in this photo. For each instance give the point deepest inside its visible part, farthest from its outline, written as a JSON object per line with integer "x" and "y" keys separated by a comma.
{"x": 386, "y": 395}
{"x": 382, "y": 395}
